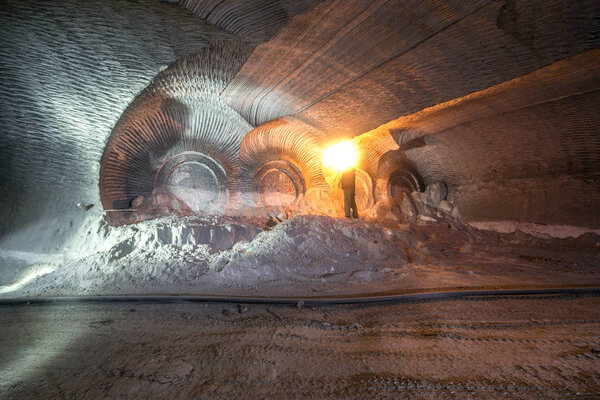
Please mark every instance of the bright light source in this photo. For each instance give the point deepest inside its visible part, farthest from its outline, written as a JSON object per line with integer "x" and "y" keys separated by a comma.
{"x": 340, "y": 156}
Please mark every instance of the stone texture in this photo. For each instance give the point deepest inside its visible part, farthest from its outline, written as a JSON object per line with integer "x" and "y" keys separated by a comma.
{"x": 407, "y": 207}
{"x": 445, "y": 206}
{"x": 177, "y": 118}
{"x": 496, "y": 98}
{"x": 253, "y": 21}
{"x": 525, "y": 150}
{"x": 68, "y": 71}
{"x": 435, "y": 193}
{"x": 347, "y": 67}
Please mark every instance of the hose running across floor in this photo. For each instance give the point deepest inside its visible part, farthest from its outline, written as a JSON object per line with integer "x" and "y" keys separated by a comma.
{"x": 310, "y": 300}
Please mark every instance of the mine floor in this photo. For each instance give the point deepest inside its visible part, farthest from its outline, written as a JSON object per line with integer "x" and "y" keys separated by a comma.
{"x": 517, "y": 347}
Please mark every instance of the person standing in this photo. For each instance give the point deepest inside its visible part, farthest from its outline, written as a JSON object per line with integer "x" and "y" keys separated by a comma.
{"x": 349, "y": 188}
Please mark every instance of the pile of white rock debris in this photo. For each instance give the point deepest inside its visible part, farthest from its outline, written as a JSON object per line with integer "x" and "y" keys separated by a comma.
{"x": 430, "y": 205}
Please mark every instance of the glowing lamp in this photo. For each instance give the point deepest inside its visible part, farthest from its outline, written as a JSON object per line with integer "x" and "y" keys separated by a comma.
{"x": 340, "y": 156}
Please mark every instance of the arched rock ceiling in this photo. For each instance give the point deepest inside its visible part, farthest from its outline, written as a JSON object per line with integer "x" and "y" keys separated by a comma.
{"x": 252, "y": 21}
{"x": 284, "y": 139}
{"x": 348, "y": 66}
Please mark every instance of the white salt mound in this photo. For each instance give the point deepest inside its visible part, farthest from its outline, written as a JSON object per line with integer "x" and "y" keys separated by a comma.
{"x": 192, "y": 255}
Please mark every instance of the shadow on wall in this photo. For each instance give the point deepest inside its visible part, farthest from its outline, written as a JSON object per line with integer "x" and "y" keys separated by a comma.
{"x": 176, "y": 146}
{"x": 174, "y": 170}
{"x": 69, "y": 70}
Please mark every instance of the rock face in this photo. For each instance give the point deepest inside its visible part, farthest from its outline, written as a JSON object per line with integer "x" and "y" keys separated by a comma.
{"x": 407, "y": 206}
{"x": 515, "y": 137}
{"x": 435, "y": 194}
{"x": 446, "y": 206}
{"x": 430, "y": 205}
{"x": 420, "y": 200}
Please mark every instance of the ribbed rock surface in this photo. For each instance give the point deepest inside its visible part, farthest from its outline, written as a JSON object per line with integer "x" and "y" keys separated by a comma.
{"x": 252, "y": 21}
{"x": 285, "y": 139}
{"x": 292, "y": 150}
{"x": 496, "y": 98}
{"x": 525, "y": 150}
{"x": 68, "y": 70}
{"x": 348, "y": 66}
{"x": 180, "y": 111}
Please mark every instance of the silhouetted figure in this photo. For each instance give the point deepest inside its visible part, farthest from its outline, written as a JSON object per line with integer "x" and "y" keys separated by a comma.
{"x": 348, "y": 178}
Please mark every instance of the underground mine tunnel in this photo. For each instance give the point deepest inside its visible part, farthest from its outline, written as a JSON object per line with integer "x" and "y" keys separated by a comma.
{"x": 174, "y": 177}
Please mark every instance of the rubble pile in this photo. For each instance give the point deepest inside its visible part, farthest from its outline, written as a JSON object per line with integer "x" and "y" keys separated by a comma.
{"x": 431, "y": 206}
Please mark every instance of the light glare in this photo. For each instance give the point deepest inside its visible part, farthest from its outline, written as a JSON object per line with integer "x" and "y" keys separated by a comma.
{"x": 340, "y": 156}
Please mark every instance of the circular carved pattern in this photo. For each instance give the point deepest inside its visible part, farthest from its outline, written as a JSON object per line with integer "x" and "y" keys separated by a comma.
{"x": 278, "y": 184}
{"x": 402, "y": 180}
{"x": 196, "y": 179}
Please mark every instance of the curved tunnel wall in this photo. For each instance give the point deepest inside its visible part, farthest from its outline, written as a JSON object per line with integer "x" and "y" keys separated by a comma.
{"x": 527, "y": 150}
{"x": 68, "y": 70}
{"x": 252, "y": 21}
{"x": 179, "y": 113}
{"x": 287, "y": 148}
{"x": 347, "y": 67}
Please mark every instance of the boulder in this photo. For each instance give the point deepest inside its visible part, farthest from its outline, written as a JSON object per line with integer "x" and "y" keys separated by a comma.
{"x": 455, "y": 213}
{"x": 407, "y": 207}
{"x": 419, "y": 197}
{"x": 435, "y": 193}
{"x": 445, "y": 206}
{"x": 390, "y": 215}
{"x": 420, "y": 200}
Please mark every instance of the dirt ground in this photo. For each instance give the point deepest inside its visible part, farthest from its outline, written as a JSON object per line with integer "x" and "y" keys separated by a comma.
{"x": 546, "y": 347}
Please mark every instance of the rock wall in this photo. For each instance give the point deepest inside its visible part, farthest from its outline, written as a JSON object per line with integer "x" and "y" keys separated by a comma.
{"x": 497, "y": 98}
{"x": 68, "y": 70}
{"x": 527, "y": 150}
{"x": 348, "y": 66}
{"x": 252, "y": 21}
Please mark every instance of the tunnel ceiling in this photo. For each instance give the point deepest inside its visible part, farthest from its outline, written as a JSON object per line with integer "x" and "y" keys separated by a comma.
{"x": 73, "y": 72}
{"x": 347, "y": 67}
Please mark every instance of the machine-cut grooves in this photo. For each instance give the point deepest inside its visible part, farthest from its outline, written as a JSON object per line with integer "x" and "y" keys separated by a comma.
{"x": 285, "y": 139}
{"x": 252, "y": 21}
{"x": 179, "y": 112}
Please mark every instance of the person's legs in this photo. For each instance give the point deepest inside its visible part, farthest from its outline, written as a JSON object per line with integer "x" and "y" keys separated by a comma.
{"x": 353, "y": 205}
{"x": 348, "y": 198}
